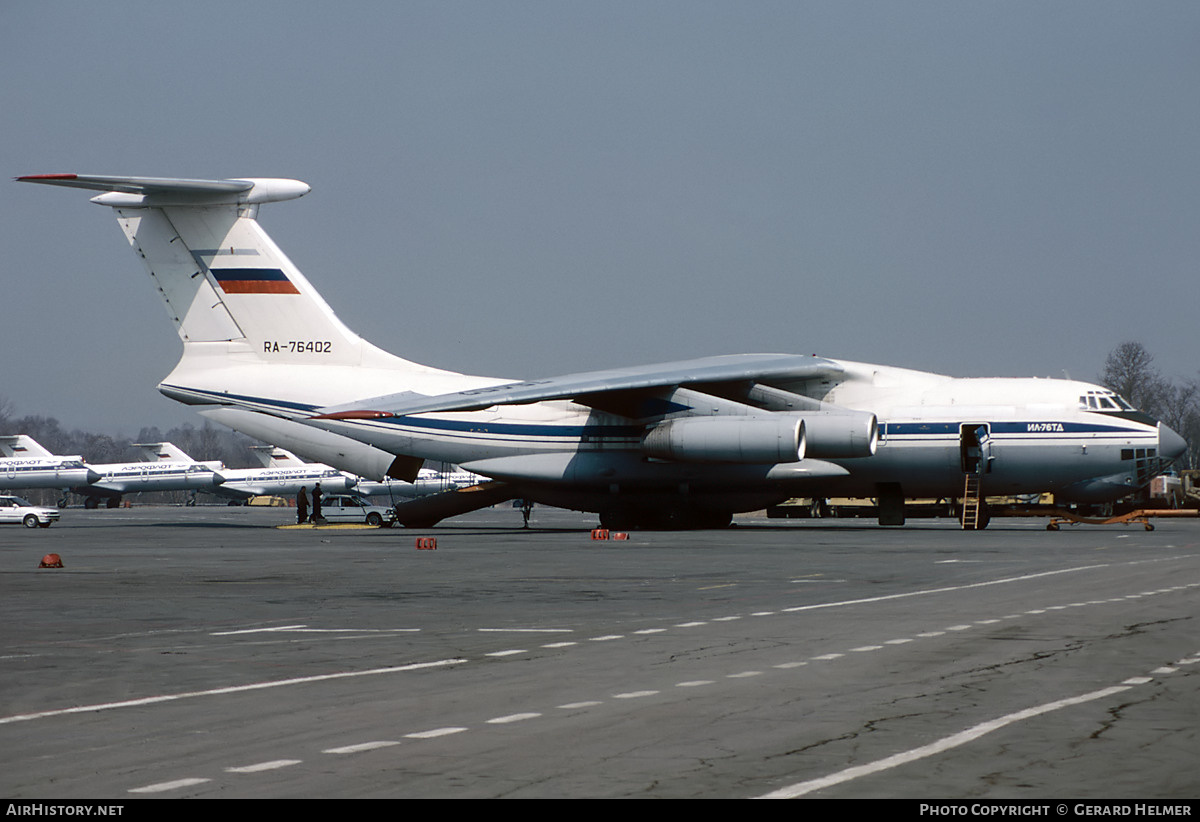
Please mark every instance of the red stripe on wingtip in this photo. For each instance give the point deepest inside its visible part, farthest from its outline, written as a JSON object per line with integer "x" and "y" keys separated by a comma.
{"x": 353, "y": 415}
{"x": 49, "y": 177}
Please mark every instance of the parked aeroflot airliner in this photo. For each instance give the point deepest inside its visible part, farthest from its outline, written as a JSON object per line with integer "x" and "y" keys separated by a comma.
{"x": 26, "y": 464}
{"x": 109, "y": 482}
{"x": 674, "y": 444}
{"x": 284, "y": 475}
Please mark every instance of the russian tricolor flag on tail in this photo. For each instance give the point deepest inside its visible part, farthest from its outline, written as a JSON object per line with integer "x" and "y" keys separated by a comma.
{"x": 253, "y": 281}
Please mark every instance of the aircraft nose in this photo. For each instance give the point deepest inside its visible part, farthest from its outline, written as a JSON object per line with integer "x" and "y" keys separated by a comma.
{"x": 1170, "y": 444}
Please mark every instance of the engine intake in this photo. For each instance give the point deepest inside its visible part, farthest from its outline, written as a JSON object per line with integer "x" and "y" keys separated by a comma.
{"x": 841, "y": 434}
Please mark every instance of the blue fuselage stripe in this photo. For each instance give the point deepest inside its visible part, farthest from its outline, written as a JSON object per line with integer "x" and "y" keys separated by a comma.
{"x": 1033, "y": 431}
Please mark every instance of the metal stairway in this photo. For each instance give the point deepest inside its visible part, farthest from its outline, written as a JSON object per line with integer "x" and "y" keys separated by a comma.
{"x": 972, "y": 502}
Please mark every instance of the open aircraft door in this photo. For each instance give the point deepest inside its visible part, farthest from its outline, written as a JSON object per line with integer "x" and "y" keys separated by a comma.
{"x": 975, "y": 447}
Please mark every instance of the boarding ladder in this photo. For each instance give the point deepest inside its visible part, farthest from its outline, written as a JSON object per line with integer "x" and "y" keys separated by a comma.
{"x": 972, "y": 501}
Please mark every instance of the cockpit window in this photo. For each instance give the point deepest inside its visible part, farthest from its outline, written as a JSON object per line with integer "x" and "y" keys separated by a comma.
{"x": 1104, "y": 401}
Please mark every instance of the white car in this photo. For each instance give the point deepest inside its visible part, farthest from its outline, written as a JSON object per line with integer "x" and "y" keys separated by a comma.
{"x": 353, "y": 508}
{"x": 17, "y": 509}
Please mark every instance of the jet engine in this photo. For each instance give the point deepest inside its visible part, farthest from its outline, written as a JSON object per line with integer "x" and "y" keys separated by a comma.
{"x": 734, "y": 439}
{"x": 840, "y": 434}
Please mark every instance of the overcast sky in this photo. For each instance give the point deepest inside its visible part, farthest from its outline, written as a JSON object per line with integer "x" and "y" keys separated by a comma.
{"x": 524, "y": 189}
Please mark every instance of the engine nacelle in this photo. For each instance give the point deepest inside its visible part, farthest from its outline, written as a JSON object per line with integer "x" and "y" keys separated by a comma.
{"x": 841, "y": 434}
{"x": 733, "y": 439}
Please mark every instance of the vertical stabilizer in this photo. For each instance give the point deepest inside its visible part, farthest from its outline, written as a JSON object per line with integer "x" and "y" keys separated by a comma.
{"x": 162, "y": 452}
{"x": 22, "y": 445}
{"x": 272, "y": 456}
{"x": 222, "y": 279}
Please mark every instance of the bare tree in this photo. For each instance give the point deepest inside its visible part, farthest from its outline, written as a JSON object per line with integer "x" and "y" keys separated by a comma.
{"x": 1129, "y": 370}
{"x": 1180, "y": 409}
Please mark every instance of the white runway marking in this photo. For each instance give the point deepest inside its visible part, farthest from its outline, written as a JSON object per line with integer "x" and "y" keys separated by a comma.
{"x": 169, "y": 786}
{"x": 360, "y": 747}
{"x": 801, "y": 789}
{"x": 256, "y": 630}
{"x": 233, "y": 689}
{"x": 950, "y": 588}
{"x": 274, "y": 764}
{"x": 505, "y": 720}
{"x": 436, "y": 732}
{"x": 945, "y": 744}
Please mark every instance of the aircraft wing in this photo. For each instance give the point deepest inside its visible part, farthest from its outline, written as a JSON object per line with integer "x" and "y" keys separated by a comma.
{"x": 727, "y": 368}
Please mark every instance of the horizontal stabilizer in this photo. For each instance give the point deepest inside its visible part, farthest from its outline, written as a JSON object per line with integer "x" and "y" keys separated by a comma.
{"x": 135, "y": 192}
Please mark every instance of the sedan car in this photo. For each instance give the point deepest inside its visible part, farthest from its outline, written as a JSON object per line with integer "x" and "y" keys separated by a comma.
{"x": 17, "y": 509}
{"x": 353, "y": 508}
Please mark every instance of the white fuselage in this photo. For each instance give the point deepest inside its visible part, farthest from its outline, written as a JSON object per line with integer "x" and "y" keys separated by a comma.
{"x": 667, "y": 443}
{"x": 1040, "y": 437}
{"x": 127, "y": 478}
{"x": 243, "y": 483}
{"x": 44, "y": 472}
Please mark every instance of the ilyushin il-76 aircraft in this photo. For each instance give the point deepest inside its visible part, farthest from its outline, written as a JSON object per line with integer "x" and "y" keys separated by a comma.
{"x": 677, "y": 444}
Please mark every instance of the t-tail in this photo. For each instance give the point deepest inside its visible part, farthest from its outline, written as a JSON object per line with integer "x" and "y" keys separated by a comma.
{"x": 256, "y": 334}
{"x": 220, "y": 276}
